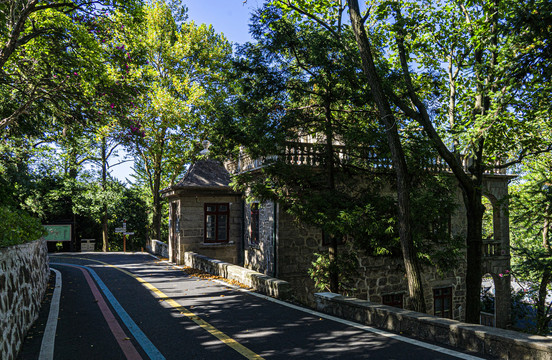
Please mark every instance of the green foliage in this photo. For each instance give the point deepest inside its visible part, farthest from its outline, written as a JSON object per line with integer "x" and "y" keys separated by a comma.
{"x": 299, "y": 82}
{"x": 433, "y": 204}
{"x": 531, "y": 215}
{"x": 183, "y": 77}
{"x": 18, "y": 227}
{"x": 61, "y": 71}
{"x": 347, "y": 269}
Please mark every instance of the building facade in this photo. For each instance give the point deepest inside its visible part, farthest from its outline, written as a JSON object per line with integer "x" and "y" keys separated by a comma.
{"x": 209, "y": 218}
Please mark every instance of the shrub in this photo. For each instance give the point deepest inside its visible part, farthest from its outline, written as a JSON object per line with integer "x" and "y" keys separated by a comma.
{"x": 18, "y": 227}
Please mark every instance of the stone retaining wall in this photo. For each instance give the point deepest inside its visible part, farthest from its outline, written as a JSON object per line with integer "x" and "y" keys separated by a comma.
{"x": 158, "y": 248}
{"x": 263, "y": 283}
{"x": 499, "y": 343}
{"x": 24, "y": 273}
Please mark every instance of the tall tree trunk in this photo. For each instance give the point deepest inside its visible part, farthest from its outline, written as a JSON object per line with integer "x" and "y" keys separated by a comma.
{"x": 474, "y": 243}
{"x": 73, "y": 173}
{"x": 387, "y": 118}
{"x": 105, "y": 217}
{"x": 157, "y": 206}
{"x": 542, "y": 310}
{"x": 332, "y": 251}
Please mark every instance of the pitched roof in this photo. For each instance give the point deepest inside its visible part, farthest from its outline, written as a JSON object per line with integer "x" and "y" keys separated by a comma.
{"x": 205, "y": 173}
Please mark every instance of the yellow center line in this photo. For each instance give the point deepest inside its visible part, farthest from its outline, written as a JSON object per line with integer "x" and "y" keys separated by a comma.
{"x": 246, "y": 352}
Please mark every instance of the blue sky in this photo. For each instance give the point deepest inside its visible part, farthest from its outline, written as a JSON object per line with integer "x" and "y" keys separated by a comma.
{"x": 230, "y": 17}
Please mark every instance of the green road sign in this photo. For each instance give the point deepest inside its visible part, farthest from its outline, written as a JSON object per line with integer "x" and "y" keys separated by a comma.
{"x": 58, "y": 233}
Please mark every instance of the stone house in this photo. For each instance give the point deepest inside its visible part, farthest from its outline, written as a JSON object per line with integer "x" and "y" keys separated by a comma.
{"x": 208, "y": 217}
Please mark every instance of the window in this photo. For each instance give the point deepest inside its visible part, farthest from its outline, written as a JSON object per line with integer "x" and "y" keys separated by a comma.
{"x": 216, "y": 223}
{"x": 254, "y": 230}
{"x": 442, "y": 302}
{"x": 395, "y": 300}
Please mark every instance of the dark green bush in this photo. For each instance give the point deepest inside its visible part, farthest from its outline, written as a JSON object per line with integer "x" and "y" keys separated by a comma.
{"x": 18, "y": 227}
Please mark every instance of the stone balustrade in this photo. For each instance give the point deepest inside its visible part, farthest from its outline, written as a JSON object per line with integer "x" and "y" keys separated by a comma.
{"x": 313, "y": 154}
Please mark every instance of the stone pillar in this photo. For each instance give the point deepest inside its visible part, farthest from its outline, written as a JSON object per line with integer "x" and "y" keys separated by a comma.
{"x": 502, "y": 300}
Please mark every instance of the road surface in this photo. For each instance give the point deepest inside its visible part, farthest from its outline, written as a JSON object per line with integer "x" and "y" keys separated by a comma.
{"x": 133, "y": 306}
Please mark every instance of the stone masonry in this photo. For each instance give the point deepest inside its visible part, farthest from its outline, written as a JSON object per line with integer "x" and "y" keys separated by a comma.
{"x": 261, "y": 256}
{"x": 24, "y": 273}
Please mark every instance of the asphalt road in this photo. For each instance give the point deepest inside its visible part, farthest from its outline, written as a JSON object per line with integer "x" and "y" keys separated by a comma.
{"x": 132, "y": 306}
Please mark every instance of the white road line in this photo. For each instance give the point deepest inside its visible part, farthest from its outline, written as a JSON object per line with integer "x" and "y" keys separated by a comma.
{"x": 49, "y": 337}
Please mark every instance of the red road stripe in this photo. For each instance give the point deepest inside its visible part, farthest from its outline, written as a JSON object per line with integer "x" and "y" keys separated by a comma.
{"x": 126, "y": 345}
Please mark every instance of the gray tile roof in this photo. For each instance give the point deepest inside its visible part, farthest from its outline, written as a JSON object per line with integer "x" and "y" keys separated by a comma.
{"x": 205, "y": 173}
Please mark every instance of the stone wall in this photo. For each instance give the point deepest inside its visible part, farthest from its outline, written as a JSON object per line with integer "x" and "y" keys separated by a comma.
{"x": 190, "y": 229}
{"x": 497, "y": 343}
{"x": 24, "y": 273}
{"x": 158, "y": 248}
{"x": 377, "y": 275}
{"x": 297, "y": 245}
{"x": 260, "y": 282}
{"x": 260, "y": 257}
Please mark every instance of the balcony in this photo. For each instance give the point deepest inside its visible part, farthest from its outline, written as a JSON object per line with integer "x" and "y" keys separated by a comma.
{"x": 310, "y": 154}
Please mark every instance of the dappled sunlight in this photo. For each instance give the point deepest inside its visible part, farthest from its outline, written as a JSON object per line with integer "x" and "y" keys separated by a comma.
{"x": 184, "y": 305}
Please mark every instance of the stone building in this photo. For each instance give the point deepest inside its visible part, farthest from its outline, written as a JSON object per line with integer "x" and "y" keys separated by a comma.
{"x": 205, "y": 214}
{"x": 209, "y": 218}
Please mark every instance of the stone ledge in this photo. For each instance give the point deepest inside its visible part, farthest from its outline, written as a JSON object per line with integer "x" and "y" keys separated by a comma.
{"x": 265, "y": 284}
{"x": 499, "y": 343}
{"x": 159, "y": 248}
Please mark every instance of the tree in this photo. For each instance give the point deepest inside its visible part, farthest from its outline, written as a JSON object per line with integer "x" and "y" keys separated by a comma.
{"x": 184, "y": 76}
{"x": 305, "y": 70}
{"x": 483, "y": 117}
{"x": 48, "y": 50}
{"x": 329, "y": 17}
{"x": 531, "y": 210}
{"x": 483, "y": 102}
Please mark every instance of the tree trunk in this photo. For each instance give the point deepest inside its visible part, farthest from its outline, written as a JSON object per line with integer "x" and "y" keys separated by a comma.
{"x": 332, "y": 251}
{"x": 105, "y": 217}
{"x": 333, "y": 266}
{"x": 387, "y": 118}
{"x": 474, "y": 245}
{"x": 542, "y": 310}
{"x": 73, "y": 173}
{"x": 157, "y": 206}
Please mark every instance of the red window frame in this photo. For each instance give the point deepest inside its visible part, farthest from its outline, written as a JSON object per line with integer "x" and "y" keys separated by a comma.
{"x": 254, "y": 231}
{"x": 395, "y": 300}
{"x": 442, "y": 302}
{"x": 216, "y": 212}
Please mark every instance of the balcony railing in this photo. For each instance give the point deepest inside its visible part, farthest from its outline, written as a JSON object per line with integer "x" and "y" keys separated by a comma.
{"x": 309, "y": 154}
{"x": 487, "y": 319}
{"x": 492, "y": 248}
